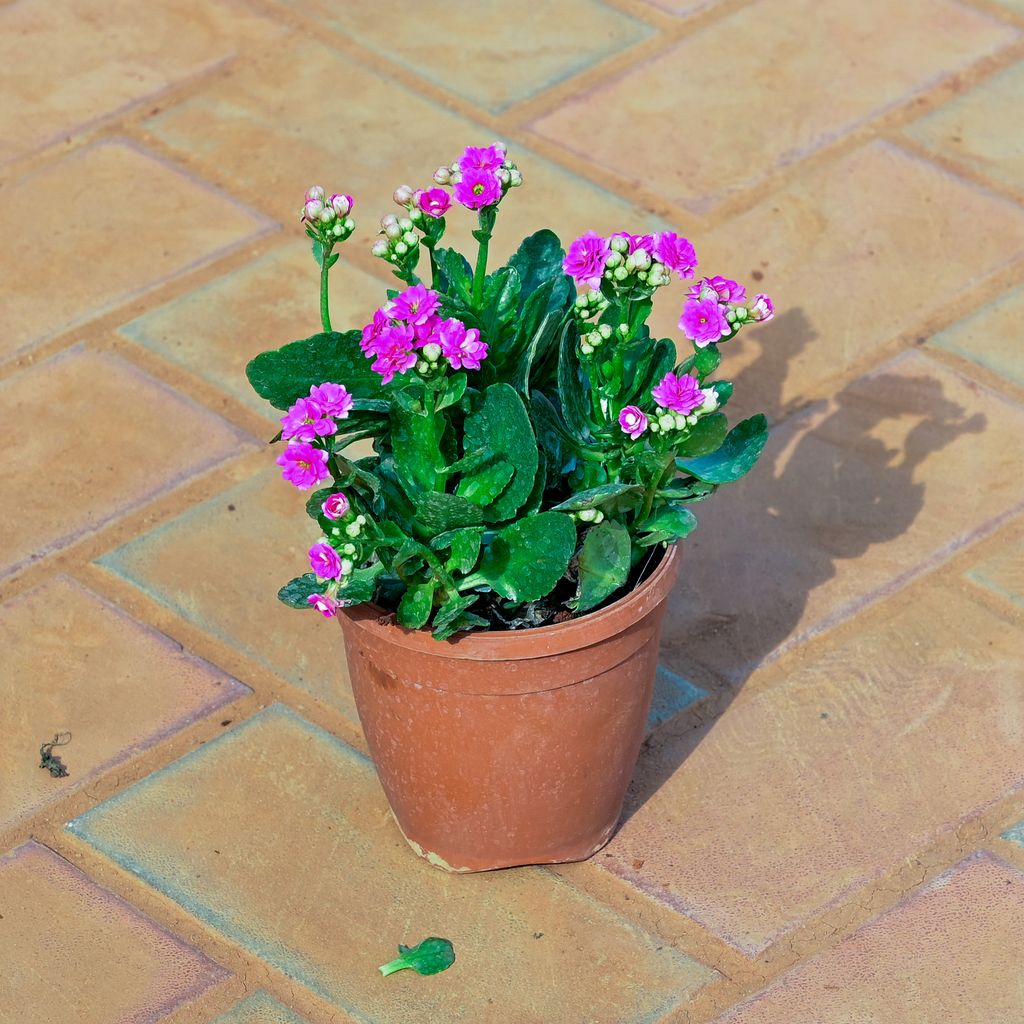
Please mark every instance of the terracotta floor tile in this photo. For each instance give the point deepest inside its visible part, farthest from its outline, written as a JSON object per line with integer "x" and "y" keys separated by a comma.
{"x": 1003, "y": 573}
{"x": 802, "y": 74}
{"x": 800, "y": 794}
{"x": 73, "y": 662}
{"x": 216, "y": 329}
{"x": 946, "y": 955}
{"x": 108, "y": 222}
{"x": 236, "y": 816}
{"x": 101, "y": 409}
{"x": 982, "y": 128}
{"x": 259, "y": 1009}
{"x": 195, "y": 566}
{"x": 990, "y": 337}
{"x": 827, "y": 247}
{"x": 110, "y": 58}
{"x": 242, "y": 129}
{"x": 75, "y": 952}
{"x": 672, "y": 694}
{"x": 843, "y": 508}
{"x": 474, "y": 50}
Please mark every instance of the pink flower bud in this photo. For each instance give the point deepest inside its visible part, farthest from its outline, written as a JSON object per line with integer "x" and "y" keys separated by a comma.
{"x": 443, "y": 175}
{"x": 403, "y": 195}
{"x": 342, "y": 205}
{"x": 335, "y": 506}
{"x": 315, "y": 192}
{"x": 762, "y": 308}
{"x": 324, "y": 604}
{"x": 313, "y": 209}
{"x": 633, "y": 421}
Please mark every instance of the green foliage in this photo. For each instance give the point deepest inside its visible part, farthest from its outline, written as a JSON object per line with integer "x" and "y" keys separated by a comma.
{"x": 286, "y": 374}
{"x": 503, "y": 494}
{"x": 431, "y": 956}
{"x": 735, "y": 458}
{"x": 604, "y": 564}
{"x": 526, "y": 560}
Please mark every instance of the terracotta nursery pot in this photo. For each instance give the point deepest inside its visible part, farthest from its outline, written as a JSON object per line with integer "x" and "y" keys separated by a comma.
{"x": 506, "y": 748}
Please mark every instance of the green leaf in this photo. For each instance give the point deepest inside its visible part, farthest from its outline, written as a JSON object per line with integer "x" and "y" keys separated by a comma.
{"x": 456, "y": 273}
{"x": 437, "y": 512}
{"x": 485, "y": 483}
{"x": 673, "y": 521}
{"x": 724, "y": 391}
{"x": 526, "y": 560}
{"x": 464, "y": 546}
{"x": 736, "y": 457}
{"x": 644, "y": 365}
{"x": 455, "y": 388}
{"x": 295, "y": 593}
{"x": 537, "y": 337}
{"x": 604, "y": 564}
{"x": 318, "y": 252}
{"x": 361, "y": 585}
{"x": 450, "y": 616}
{"x": 596, "y": 496}
{"x": 538, "y": 259}
{"x": 286, "y": 374}
{"x": 706, "y": 360}
{"x": 500, "y": 301}
{"x": 573, "y": 386}
{"x": 416, "y": 442}
{"x": 706, "y": 435}
{"x": 431, "y": 956}
{"x": 502, "y": 426}
{"x": 416, "y": 605}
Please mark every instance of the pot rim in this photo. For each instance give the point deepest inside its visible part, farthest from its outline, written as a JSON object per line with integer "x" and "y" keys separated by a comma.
{"x": 542, "y": 641}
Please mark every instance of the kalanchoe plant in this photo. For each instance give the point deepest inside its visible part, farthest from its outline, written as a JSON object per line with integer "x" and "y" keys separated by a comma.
{"x": 533, "y": 445}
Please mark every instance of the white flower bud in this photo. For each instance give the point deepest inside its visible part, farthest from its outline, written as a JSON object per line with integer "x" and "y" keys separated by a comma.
{"x": 405, "y": 224}
{"x": 730, "y": 315}
{"x": 710, "y": 400}
{"x": 585, "y": 348}
{"x": 335, "y": 531}
{"x": 347, "y": 565}
{"x": 401, "y": 248}
{"x": 380, "y": 248}
{"x": 598, "y": 516}
{"x": 313, "y": 209}
{"x": 504, "y": 176}
{"x": 403, "y": 195}
{"x": 410, "y": 238}
{"x": 327, "y": 215}
{"x": 630, "y": 263}
{"x": 742, "y": 314}
{"x": 692, "y": 419}
{"x": 350, "y": 225}
{"x": 619, "y": 245}
{"x": 624, "y": 330}
{"x": 680, "y": 421}
{"x": 587, "y": 515}
{"x": 361, "y": 520}
{"x": 620, "y": 273}
{"x": 667, "y": 421}
{"x": 338, "y": 230}
{"x": 442, "y": 175}
{"x": 416, "y": 215}
{"x": 315, "y": 192}
{"x": 515, "y": 178}
{"x": 654, "y": 427}
{"x": 348, "y": 549}
{"x": 582, "y": 301}
{"x": 642, "y": 258}
{"x": 423, "y": 366}
{"x": 615, "y": 260}
{"x": 353, "y": 529}
{"x": 605, "y": 330}
{"x": 432, "y": 352}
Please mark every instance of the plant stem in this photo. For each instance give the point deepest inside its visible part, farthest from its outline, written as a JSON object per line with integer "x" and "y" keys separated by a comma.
{"x": 481, "y": 268}
{"x": 325, "y": 312}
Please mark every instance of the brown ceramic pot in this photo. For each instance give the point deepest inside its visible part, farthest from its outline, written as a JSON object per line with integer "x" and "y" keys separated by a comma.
{"x": 505, "y": 748}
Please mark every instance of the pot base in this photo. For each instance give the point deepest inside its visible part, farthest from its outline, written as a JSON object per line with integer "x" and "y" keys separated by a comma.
{"x": 439, "y": 862}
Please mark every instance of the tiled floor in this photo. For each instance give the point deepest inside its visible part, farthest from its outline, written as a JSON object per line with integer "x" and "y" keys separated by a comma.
{"x": 827, "y": 823}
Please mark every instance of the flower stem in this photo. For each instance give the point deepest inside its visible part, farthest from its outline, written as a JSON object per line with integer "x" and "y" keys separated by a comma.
{"x": 325, "y": 312}
{"x": 481, "y": 269}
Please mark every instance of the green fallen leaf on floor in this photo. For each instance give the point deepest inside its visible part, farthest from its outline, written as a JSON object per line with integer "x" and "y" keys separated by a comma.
{"x": 431, "y": 956}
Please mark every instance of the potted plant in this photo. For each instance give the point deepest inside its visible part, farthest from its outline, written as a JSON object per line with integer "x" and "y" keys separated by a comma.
{"x": 500, "y": 563}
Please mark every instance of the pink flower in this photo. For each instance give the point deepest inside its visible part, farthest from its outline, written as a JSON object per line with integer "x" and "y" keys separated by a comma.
{"x": 324, "y": 604}
{"x": 676, "y": 253}
{"x": 645, "y": 242}
{"x": 426, "y": 332}
{"x": 434, "y": 202}
{"x": 482, "y": 158}
{"x": 722, "y": 288}
{"x": 462, "y": 348}
{"x": 703, "y": 321}
{"x": 415, "y": 305}
{"x": 762, "y": 307}
{"x": 325, "y": 561}
{"x": 633, "y": 421}
{"x": 305, "y": 421}
{"x": 303, "y": 465}
{"x": 394, "y": 352}
{"x": 585, "y": 260}
{"x": 477, "y": 189}
{"x": 335, "y": 506}
{"x": 341, "y": 204}
{"x": 372, "y": 332}
{"x": 680, "y": 394}
{"x": 333, "y": 399}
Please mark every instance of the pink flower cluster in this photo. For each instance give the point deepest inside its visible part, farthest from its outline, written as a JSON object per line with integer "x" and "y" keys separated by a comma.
{"x": 589, "y": 255}
{"x": 714, "y": 310}
{"x": 303, "y": 464}
{"x": 680, "y": 394}
{"x": 410, "y": 322}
